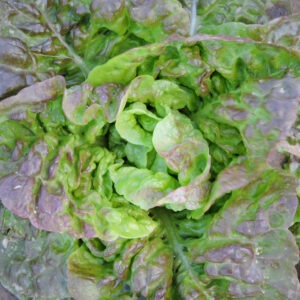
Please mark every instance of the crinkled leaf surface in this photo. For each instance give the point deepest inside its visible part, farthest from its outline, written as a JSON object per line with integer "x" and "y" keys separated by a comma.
{"x": 33, "y": 262}
{"x": 42, "y": 38}
{"x": 166, "y": 17}
{"x": 182, "y": 146}
{"x": 149, "y": 264}
{"x": 61, "y": 184}
{"x": 213, "y": 12}
{"x": 280, "y": 31}
{"x": 142, "y": 187}
{"x": 175, "y": 163}
{"x": 259, "y": 213}
{"x": 230, "y": 254}
{"x": 271, "y": 111}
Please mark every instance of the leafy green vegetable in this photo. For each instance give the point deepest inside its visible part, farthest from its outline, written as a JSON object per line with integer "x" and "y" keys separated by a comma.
{"x": 139, "y": 163}
{"x": 33, "y": 262}
{"x": 182, "y": 146}
{"x": 249, "y": 12}
{"x": 42, "y": 38}
{"x": 233, "y": 257}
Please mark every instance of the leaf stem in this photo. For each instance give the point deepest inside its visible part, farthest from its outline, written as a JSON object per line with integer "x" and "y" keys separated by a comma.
{"x": 168, "y": 223}
{"x": 174, "y": 239}
{"x": 77, "y": 59}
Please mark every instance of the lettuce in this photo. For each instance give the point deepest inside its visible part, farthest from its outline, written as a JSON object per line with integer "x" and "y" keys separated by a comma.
{"x": 137, "y": 162}
{"x": 43, "y": 38}
{"x": 33, "y": 262}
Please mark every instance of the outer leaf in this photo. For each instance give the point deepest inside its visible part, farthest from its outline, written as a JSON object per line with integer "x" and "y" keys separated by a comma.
{"x": 264, "y": 121}
{"x": 89, "y": 277}
{"x": 35, "y": 185}
{"x": 173, "y": 19}
{"x": 152, "y": 271}
{"x": 123, "y": 68}
{"x": 17, "y": 136}
{"x": 83, "y": 103}
{"x": 240, "y": 247}
{"x": 282, "y": 31}
{"x": 32, "y": 97}
{"x": 33, "y": 263}
{"x": 6, "y": 295}
{"x": 42, "y": 26}
{"x": 166, "y": 17}
{"x": 150, "y": 277}
{"x": 249, "y": 12}
{"x": 16, "y": 62}
{"x": 72, "y": 205}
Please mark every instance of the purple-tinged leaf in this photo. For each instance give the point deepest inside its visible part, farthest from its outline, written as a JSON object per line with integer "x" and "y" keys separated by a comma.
{"x": 33, "y": 96}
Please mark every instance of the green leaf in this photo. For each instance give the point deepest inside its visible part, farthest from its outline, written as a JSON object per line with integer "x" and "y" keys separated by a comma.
{"x": 123, "y": 68}
{"x": 58, "y": 181}
{"x": 33, "y": 262}
{"x": 152, "y": 271}
{"x": 82, "y": 104}
{"x": 174, "y": 164}
{"x": 240, "y": 249}
{"x": 167, "y": 17}
{"x": 16, "y": 63}
{"x": 134, "y": 125}
{"x": 32, "y": 98}
{"x": 150, "y": 266}
{"x": 182, "y": 146}
{"x": 142, "y": 187}
{"x": 160, "y": 94}
{"x": 249, "y": 12}
{"x": 89, "y": 277}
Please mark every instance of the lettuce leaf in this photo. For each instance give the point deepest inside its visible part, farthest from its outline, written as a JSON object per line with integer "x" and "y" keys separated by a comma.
{"x": 43, "y": 156}
{"x": 231, "y": 255}
{"x": 250, "y": 12}
{"x": 44, "y": 38}
{"x": 143, "y": 163}
{"x": 33, "y": 262}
